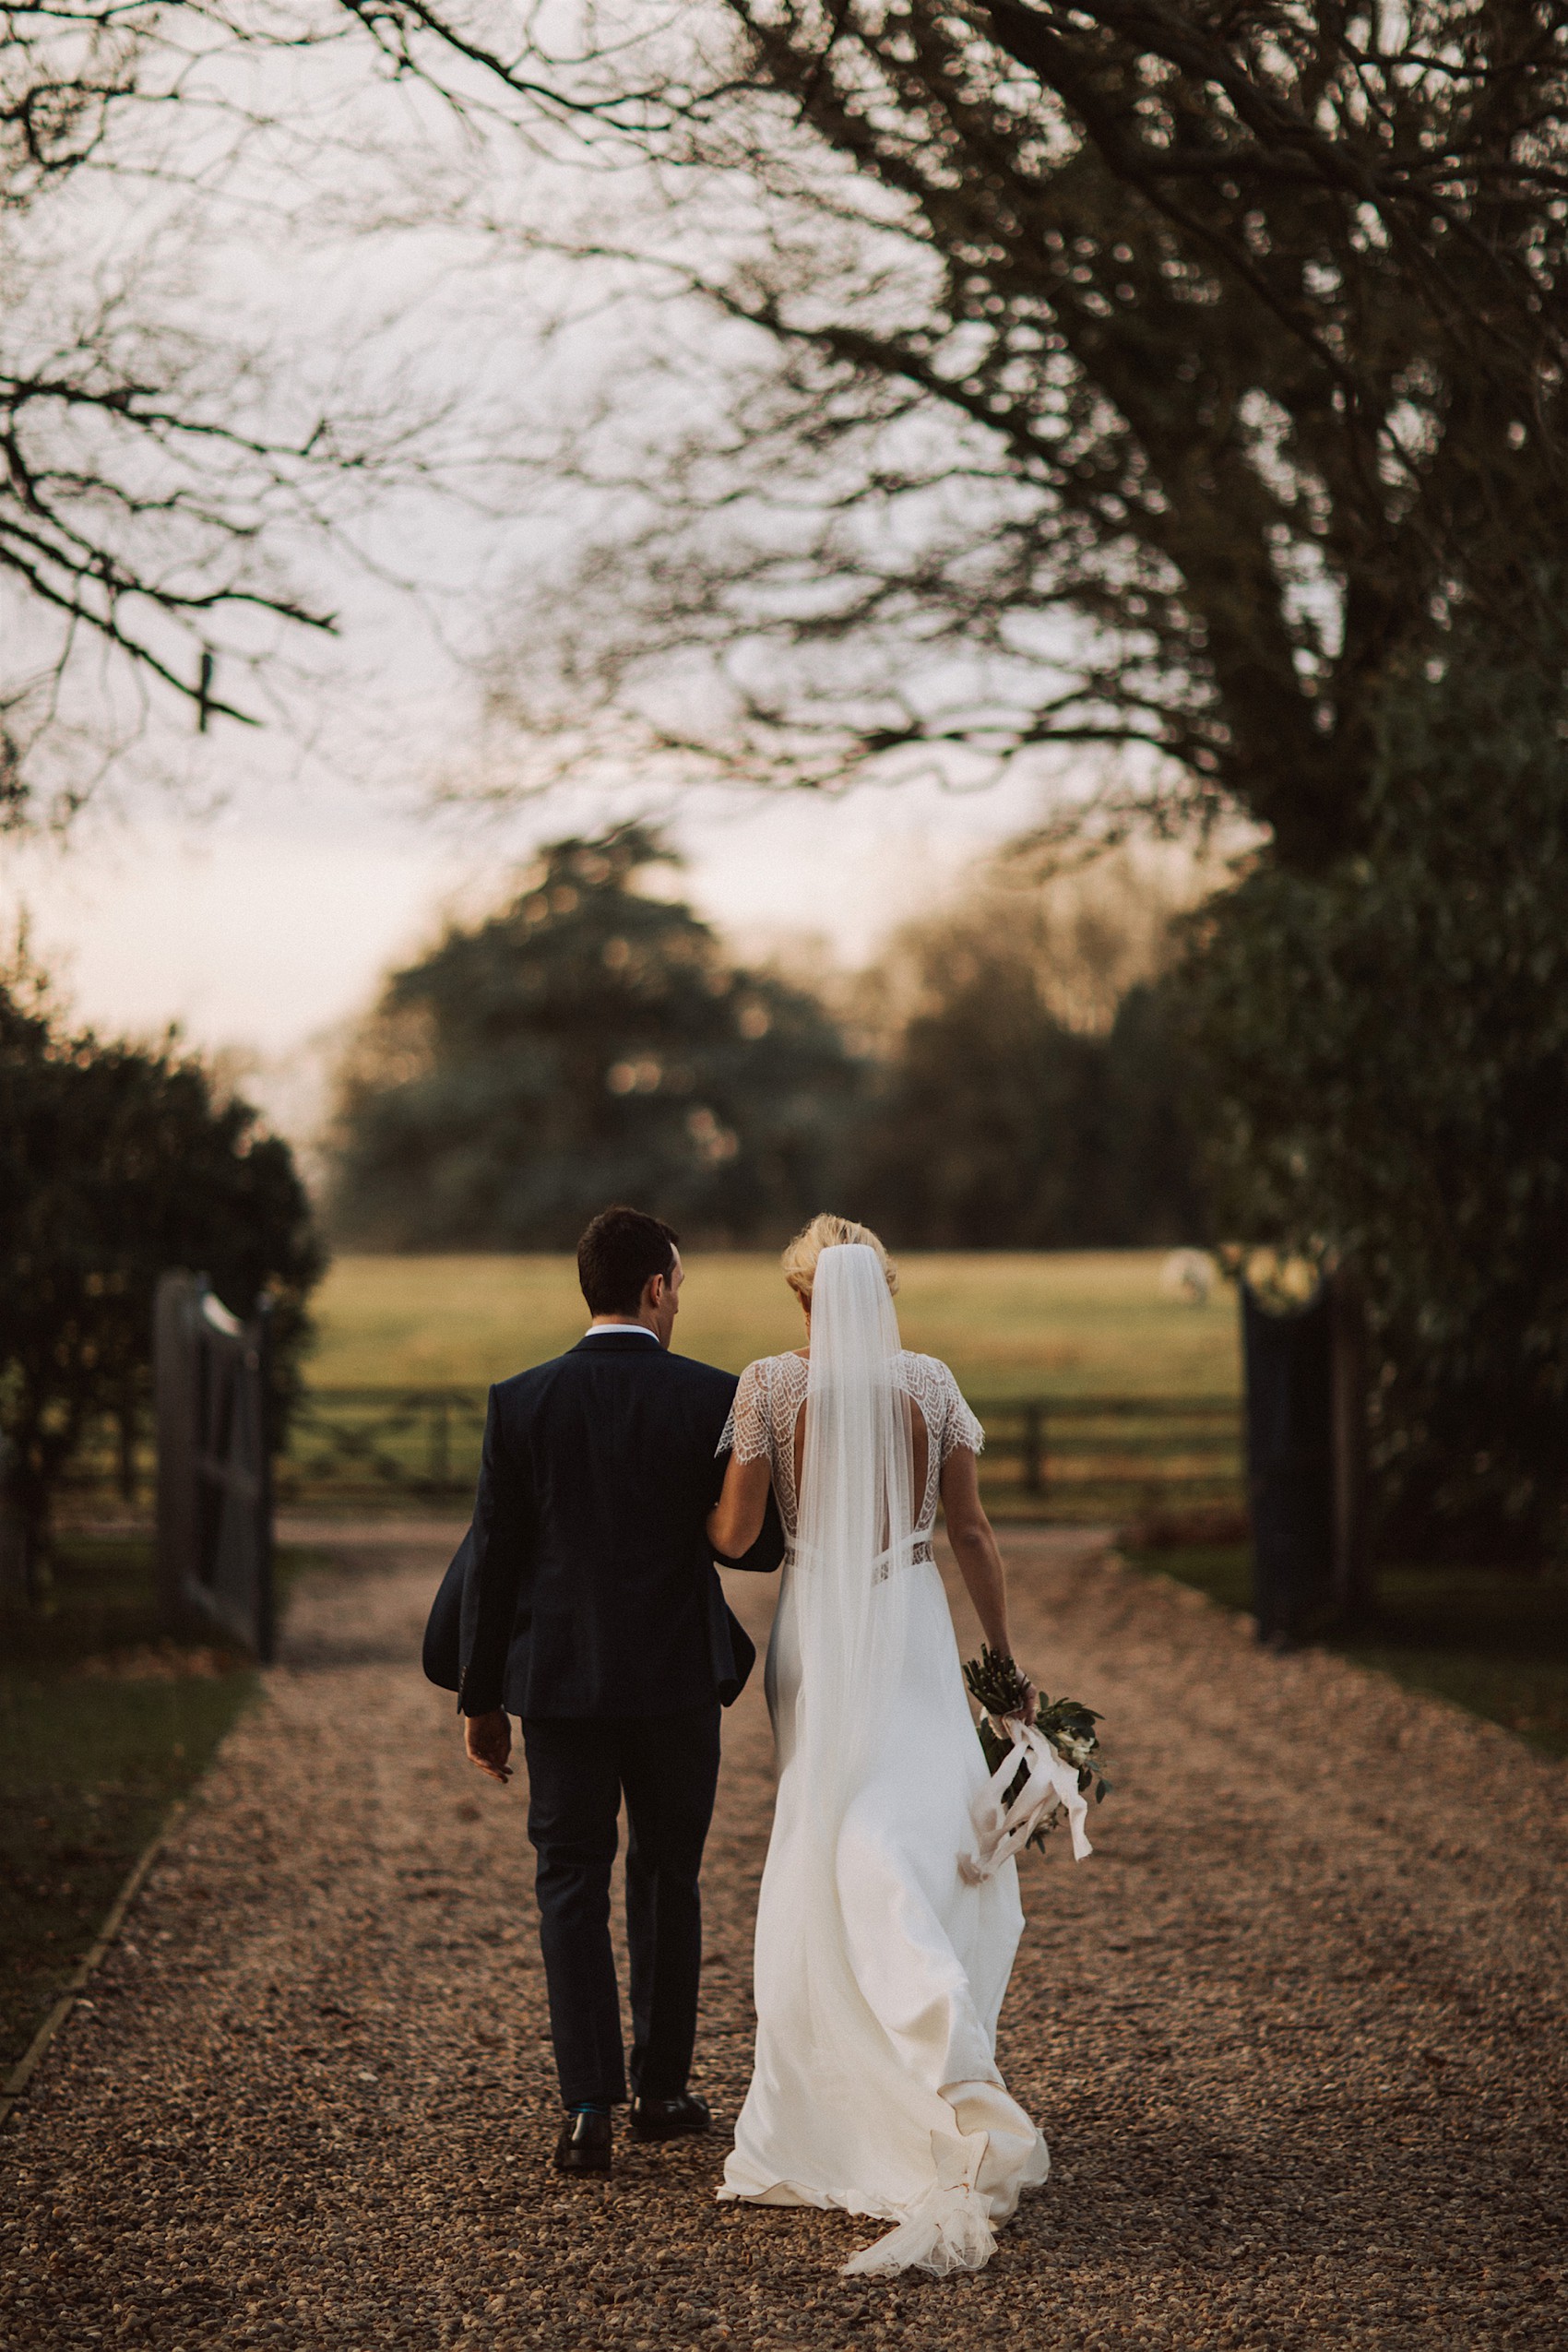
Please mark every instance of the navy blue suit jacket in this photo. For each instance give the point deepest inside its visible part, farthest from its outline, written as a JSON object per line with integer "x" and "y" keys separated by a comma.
{"x": 590, "y": 1588}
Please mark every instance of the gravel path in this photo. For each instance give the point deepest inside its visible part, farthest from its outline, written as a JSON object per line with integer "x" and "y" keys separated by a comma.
{"x": 1295, "y": 2034}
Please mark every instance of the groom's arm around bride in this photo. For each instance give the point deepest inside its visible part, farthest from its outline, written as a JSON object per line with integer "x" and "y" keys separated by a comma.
{"x": 592, "y": 1609}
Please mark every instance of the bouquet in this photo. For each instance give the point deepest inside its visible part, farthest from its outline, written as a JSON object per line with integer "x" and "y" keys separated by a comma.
{"x": 1066, "y": 1725}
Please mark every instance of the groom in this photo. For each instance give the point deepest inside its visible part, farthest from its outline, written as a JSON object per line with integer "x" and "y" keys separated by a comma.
{"x": 592, "y": 1609}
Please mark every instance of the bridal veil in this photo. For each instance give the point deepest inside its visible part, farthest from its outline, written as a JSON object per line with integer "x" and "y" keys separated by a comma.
{"x": 879, "y": 1970}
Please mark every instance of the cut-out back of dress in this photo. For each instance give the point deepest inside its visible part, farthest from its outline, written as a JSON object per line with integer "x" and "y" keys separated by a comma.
{"x": 768, "y": 1406}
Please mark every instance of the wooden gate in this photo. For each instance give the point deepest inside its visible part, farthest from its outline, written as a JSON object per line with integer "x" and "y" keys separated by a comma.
{"x": 212, "y": 1376}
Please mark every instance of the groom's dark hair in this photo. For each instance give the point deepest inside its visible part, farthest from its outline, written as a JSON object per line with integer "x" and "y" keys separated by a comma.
{"x": 619, "y": 1252}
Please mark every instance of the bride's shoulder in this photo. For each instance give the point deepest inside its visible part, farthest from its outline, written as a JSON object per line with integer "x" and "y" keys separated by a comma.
{"x": 935, "y": 1387}
{"x": 766, "y": 1371}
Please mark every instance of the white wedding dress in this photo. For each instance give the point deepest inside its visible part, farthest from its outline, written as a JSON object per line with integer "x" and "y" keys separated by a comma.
{"x": 880, "y": 1972}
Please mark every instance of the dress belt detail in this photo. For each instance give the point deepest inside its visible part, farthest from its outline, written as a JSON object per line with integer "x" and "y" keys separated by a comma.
{"x": 917, "y": 1550}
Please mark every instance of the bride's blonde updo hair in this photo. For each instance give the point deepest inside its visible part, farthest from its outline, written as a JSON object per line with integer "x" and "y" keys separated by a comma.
{"x": 826, "y": 1232}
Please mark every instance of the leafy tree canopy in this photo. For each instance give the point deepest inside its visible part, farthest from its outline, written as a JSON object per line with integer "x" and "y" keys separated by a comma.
{"x": 116, "y": 1162}
{"x": 1385, "y": 1057}
{"x": 1031, "y": 1093}
{"x": 589, "y": 1043}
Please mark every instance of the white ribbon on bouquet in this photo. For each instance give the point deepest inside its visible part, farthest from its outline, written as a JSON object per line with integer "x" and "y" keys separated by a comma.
{"x": 1001, "y": 1829}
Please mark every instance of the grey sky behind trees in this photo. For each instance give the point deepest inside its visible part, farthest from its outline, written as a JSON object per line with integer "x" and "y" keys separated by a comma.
{"x": 267, "y": 236}
{"x": 722, "y": 393}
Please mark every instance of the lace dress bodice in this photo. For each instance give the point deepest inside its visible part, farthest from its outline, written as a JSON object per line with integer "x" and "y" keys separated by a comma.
{"x": 768, "y": 1406}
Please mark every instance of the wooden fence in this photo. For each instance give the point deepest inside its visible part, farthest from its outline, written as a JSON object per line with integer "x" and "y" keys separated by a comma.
{"x": 1059, "y": 1457}
{"x": 1109, "y": 1457}
{"x": 1084, "y": 1458}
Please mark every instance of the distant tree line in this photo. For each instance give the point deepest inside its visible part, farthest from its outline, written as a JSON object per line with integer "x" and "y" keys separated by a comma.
{"x": 990, "y": 1086}
{"x": 1030, "y": 1091}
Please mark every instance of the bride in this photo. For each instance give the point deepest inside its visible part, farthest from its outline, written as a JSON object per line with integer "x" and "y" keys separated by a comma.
{"x": 879, "y": 1971}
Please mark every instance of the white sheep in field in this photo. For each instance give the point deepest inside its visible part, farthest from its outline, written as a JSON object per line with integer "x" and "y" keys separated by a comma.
{"x": 1188, "y": 1274}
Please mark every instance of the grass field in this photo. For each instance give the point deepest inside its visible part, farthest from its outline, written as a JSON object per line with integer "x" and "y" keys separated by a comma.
{"x": 1072, "y": 1324}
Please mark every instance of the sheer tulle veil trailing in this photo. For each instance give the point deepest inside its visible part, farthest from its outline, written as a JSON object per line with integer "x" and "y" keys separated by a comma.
{"x": 879, "y": 1970}
{"x": 856, "y": 1535}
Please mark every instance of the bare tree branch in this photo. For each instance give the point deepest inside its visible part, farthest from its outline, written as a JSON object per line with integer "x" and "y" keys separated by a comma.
{"x": 1252, "y": 317}
{"x": 158, "y": 480}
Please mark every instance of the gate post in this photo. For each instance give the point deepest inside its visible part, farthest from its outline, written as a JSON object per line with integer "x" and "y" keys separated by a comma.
{"x": 175, "y": 1400}
{"x": 1290, "y": 1462}
{"x": 267, "y": 1594}
{"x": 1352, "y": 1581}
{"x": 1034, "y": 1447}
{"x": 1307, "y": 1457}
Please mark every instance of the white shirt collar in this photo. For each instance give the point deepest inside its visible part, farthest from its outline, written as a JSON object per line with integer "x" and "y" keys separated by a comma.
{"x": 615, "y": 1330}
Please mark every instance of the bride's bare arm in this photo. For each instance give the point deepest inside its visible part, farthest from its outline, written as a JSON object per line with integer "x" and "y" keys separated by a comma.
{"x": 735, "y": 1521}
{"x": 974, "y": 1546}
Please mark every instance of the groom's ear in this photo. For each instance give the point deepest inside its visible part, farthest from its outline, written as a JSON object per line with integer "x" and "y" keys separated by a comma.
{"x": 661, "y": 1287}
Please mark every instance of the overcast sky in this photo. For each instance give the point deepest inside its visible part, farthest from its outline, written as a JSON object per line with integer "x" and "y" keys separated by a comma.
{"x": 264, "y": 924}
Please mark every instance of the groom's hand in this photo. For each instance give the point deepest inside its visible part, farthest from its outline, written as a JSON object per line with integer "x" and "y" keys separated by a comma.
{"x": 488, "y": 1738}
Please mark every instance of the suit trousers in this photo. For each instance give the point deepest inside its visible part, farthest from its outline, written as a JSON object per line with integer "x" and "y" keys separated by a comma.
{"x": 667, "y": 1766}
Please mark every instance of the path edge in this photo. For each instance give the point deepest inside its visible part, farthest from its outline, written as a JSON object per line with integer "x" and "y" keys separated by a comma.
{"x": 1380, "y": 1677}
{"x": 16, "y": 2084}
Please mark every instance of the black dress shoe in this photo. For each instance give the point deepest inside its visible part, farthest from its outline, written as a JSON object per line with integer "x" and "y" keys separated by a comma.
{"x": 667, "y": 2119}
{"x": 584, "y": 2144}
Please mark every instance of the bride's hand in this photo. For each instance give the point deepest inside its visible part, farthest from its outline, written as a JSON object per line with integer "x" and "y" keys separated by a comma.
{"x": 1028, "y": 1712}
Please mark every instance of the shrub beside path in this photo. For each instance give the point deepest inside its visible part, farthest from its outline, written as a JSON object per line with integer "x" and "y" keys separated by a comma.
{"x": 1295, "y": 2034}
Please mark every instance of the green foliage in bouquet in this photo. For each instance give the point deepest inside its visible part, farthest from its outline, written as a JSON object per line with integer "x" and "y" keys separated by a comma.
{"x": 1000, "y": 1688}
